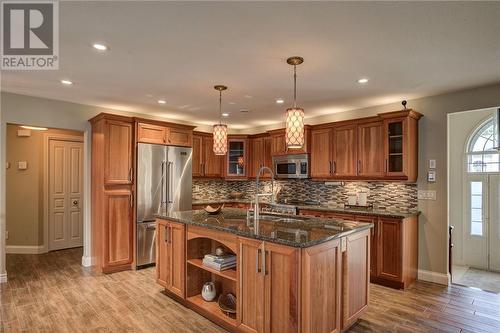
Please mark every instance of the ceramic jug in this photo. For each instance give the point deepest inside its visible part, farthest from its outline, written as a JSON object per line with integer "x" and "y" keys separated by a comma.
{"x": 208, "y": 291}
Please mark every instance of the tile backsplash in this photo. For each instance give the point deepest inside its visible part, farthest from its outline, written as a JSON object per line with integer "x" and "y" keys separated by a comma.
{"x": 388, "y": 195}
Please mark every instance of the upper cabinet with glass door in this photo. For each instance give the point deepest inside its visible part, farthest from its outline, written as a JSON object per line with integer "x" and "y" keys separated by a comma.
{"x": 401, "y": 145}
{"x": 237, "y": 157}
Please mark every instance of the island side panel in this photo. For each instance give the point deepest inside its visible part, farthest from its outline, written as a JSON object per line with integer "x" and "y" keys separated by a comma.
{"x": 320, "y": 288}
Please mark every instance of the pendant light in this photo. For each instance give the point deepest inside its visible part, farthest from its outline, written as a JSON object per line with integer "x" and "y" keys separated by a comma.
{"x": 294, "y": 133}
{"x": 220, "y": 129}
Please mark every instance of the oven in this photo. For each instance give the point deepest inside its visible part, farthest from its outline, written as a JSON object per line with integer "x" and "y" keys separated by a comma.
{"x": 291, "y": 166}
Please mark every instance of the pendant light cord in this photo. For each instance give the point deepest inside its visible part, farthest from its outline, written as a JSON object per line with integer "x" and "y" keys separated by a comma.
{"x": 220, "y": 107}
{"x": 294, "y": 86}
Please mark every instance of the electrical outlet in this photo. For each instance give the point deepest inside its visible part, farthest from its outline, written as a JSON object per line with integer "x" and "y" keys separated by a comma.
{"x": 426, "y": 195}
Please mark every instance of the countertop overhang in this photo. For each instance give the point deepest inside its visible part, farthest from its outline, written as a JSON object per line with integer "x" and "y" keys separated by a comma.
{"x": 294, "y": 231}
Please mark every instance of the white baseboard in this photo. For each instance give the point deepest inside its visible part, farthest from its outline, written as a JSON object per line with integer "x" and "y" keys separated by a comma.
{"x": 3, "y": 278}
{"x": 434, "y": 277}
{"x": 86, "y": 261}
{"x": 25, "y": 249}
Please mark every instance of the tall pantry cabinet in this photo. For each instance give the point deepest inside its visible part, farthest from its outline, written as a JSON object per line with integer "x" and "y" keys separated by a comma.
{"x": 113, "y": 161}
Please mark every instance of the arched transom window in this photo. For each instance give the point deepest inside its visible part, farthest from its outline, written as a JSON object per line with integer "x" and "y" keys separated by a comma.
{"x": 481, "y": 156}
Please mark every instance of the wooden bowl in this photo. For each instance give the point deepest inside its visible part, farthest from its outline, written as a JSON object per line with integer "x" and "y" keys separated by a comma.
{"x": 236, "y": 195}
{"x": 210, "y": 210}
{"x": 227, "y": 303}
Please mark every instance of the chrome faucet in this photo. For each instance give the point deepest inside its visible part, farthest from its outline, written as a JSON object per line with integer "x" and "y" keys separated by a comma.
{"x": 256, "y": 213}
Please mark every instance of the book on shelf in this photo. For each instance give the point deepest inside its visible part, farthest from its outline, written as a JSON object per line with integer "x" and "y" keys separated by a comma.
{"x": 223, "y": 258}
{"x": 218, "y": 266}
{"x": 220, "y": 263}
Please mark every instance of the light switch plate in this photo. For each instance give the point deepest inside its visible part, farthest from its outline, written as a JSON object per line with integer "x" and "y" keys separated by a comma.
{"x": 432, "y": 164}
{"x": 431, "y": 176}
{"x": 426, "y": 195}
{"x": 22, "y": 165}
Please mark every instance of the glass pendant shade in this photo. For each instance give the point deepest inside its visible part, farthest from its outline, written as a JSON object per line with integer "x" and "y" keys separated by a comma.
{"x": 220, "y": 139}
{"x": 294, "y": 133}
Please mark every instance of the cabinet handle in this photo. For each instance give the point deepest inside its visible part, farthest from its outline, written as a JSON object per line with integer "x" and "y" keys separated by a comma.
{"x": 166, "y": 234}
{"x": 334, "y": 167}
{"x": 264, "y": 272}
{"x": 359, "y": 166}
{"x": 132, "y": 200}
{"x": 331, "y": 167}
{"x": 170, "y": 235}
{"x": 257, "y": 269}
{"x": 386, "y": 165}
{"x": 130, "y": 172}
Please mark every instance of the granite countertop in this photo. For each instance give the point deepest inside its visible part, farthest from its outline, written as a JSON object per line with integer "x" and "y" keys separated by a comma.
{"x": 295, "y": 231}
{"x": 393, "y": 212}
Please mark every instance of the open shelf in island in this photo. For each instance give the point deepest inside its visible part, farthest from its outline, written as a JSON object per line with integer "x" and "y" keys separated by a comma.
{"x": 212, "y": 308}
{"x": 228, "y": 273}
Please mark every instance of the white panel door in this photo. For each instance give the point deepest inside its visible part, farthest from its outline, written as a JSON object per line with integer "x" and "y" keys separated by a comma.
{"x": 476, "y": 222}
{"x": 494, "y": 223}
{"x": 65, "y": 194}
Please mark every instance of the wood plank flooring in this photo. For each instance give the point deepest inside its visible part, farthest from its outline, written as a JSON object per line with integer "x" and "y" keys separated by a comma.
{"x": 54, "y": 293}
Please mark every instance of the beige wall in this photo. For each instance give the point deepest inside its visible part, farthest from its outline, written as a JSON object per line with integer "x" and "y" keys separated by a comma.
{"x": 433, "y": 247}
{"x": 24, "y": 188}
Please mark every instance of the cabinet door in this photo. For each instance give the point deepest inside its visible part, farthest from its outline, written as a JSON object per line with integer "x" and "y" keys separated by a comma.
{"x": 179, "y": 137}
{"x": 256, "y": 156}
{"x": 268, "y": 157}
{"x": 251, "y": 291}
{"x": 212, "y": 164}
{"x": 373, "y": 241}
{"x": 371, "y": 150}
{"x": 321, "y": 153}
{"x": 118, "y": 153}
{"x": 390, "y": 249}
{"x": 197, "y": 156}
{"x": 281, "y": 288}
{"x": 176, "y": 242}
{"x": 236, "y": 158}
{"x": 356, "y": 277}
{"x": 162, "y": 255}
{"x": 320, "y": 288}
{"x": 395, "y": 147}
{"x": 118, "y": 230}
{"x": 345, "y": 151}
{"x": 278, "y": 146}
{"x": 149, "y": 133}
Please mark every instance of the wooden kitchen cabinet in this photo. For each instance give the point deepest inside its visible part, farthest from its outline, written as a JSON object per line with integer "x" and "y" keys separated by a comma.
{"x": 118, "y": 154}
{"x": 118, "y": 230}
{"x": 170, "y": 252}
{"x": 165, "y": 134}
{"x": 278, "y": 142}
{"x": 371, "y": 150}
{"x": 321, "y": 153}
{"x": 205, "y": 163}
{"x": 345, "y": 155}
{"x": 236, "y": 159}
{"x": 373, "y": 241}
{"x": 259, "y": 155}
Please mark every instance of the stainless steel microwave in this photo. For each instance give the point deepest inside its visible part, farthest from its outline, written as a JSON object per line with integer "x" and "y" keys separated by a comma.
{"x": 291, "y": 166}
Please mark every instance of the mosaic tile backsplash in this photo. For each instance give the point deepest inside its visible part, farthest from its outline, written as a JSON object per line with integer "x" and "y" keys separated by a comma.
{"x": 383, "y": 195}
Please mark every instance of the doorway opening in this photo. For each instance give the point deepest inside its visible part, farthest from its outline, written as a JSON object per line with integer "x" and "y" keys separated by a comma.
{"x": 44, "y": 190}
{"x": 474, "y": 197}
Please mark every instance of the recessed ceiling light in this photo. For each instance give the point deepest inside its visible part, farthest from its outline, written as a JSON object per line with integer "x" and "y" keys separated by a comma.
{"x": 34, "y": 128}
{"x": 244, "y": 110}
{"x": 363, "y": 80}
{"x": 67, "y": 82}
{"x": 248, "y": 96}
{"x": 100, "y": 47}
{"x": 162, "y": 101}
{"x": 232, "y": 103}
{"x": 280, "y": 101}
{"x": 225, "y": 114}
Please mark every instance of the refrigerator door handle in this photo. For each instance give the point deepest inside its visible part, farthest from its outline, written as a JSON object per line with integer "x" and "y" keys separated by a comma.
{"x": 162, "y": 194}
{"x": 170, "y": 183}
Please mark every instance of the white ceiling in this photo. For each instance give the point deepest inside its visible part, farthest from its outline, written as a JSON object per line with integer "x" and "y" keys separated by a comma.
{"x": 178, "y": 51}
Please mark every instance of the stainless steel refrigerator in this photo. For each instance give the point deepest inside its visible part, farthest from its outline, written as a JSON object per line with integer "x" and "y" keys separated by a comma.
{"x": 164, "y": 180}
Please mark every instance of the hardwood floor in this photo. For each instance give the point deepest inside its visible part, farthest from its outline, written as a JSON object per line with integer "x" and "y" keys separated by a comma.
{"x": 54, "y": 293}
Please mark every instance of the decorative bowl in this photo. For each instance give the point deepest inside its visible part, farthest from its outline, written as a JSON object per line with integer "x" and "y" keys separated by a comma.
{"x": 236, "y": 195}
{"x": 227, "y": 303}
{"x": 210, "y": 210}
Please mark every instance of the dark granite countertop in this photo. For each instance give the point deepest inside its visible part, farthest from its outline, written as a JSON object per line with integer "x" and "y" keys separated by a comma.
{"x": 295, "y": 231}
{"x": 392, "y": 213}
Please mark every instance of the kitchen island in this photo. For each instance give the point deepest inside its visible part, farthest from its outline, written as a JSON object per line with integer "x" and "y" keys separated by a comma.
{"x": 293, "y": 274}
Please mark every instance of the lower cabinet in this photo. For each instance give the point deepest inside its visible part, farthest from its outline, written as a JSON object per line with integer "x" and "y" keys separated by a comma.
{"x": 170, "y": 256}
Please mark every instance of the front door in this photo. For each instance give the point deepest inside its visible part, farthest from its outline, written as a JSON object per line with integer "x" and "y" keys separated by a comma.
{"x": 482, "y": 230}
{"x": 65, "y": 194}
